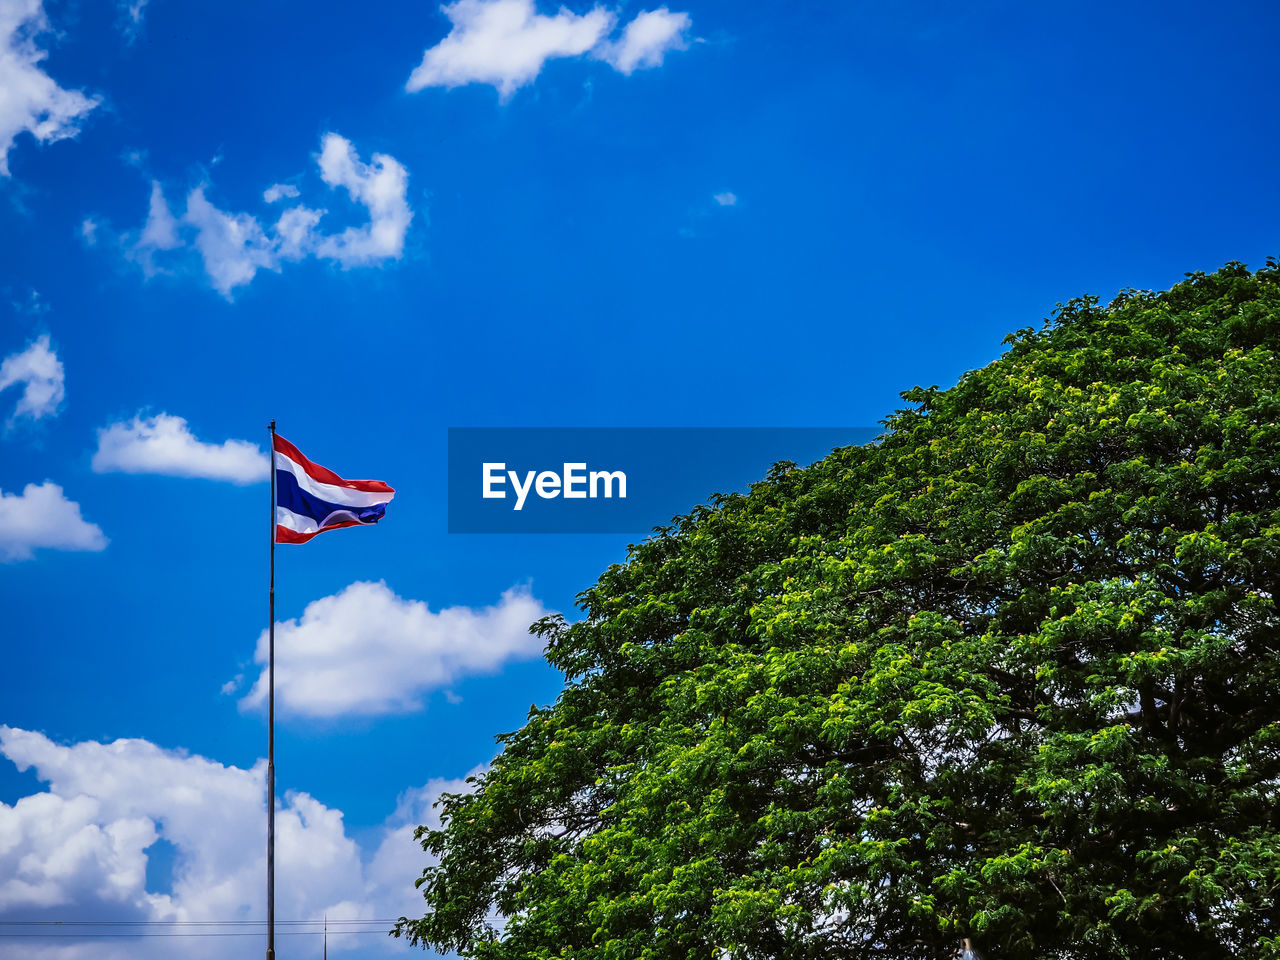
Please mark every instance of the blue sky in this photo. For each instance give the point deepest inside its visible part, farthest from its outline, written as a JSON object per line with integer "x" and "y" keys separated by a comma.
{"x": 710, "y": 214}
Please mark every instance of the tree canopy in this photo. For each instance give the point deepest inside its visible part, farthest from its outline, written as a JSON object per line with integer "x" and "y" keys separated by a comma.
{"x": 1011, "y": 672}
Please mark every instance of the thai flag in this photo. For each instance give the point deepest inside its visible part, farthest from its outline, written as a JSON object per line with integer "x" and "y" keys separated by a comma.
{"x": 311, "y": 499}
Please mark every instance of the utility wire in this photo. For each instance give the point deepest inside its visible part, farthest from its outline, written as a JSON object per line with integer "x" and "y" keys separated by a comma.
{"x": 177, "y": 923}
{"x": 43, "y": 935}
{"x": 48, "y": 929}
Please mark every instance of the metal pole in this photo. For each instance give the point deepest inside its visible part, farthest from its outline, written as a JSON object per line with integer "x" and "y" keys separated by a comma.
{"x": 271, "y": 722}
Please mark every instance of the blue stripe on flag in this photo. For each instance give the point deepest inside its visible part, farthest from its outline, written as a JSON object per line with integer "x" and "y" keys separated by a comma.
{"x": 292, "y": 497}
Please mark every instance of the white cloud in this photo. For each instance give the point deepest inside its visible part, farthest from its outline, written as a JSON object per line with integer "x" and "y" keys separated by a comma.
{"x": 40, "y": 372}
{"x": 30, "y": 100}
{"x": 41, "y": 517}
{"x": 164, "y": 444}
{"x": 726, "y": 199}
{"x": 646, "y": 40}
{"x": 131, "y": 17}
{"x": 278, "y": 191}
{"x": 79, "y": 848}
{"x": 367, "y": 651}
{"x": 233, "y": 247}
{"x": 380, "y": 187}
{"x": 295, "y": 232}
{"x": 160, "y": 232}
{"x": 398, "y": 855}
{"x": 81, "y": 859}
{"x": 506, "y": 43}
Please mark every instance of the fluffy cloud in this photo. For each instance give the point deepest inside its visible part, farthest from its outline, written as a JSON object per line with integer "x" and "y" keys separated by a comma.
{"x": 233, "y": 247}
{"x": 39, "y": 371}
{"x": 726, "y": 199}
{"x": 646, "y": 39}
{"x": 80, "y": 848}
{"x": 160, "y": 232}
{"x": 278, "y": 191}
{"x": 164, "y": 444}
{"x": 380, "y": 188}
{"x": 30, "y": 100}
{"x": 505, "y": 43}
{"x": 42, "y": 517}
{"x": 295, "y": 232}
{"x": 398, "y": 856}
{"x": 365, "y": 650}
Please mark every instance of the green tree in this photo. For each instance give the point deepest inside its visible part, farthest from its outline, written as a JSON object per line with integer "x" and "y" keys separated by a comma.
{"x": 1012, "y": 673}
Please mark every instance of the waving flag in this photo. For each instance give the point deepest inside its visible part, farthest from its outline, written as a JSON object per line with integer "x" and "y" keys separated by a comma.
{"x": 311, "y": 499}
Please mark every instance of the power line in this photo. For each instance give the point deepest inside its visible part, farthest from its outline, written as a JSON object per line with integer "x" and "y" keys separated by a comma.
{"x": 124, "y": 929}
{"x": 180, "y": 923}
{"x": 52, "y": 935}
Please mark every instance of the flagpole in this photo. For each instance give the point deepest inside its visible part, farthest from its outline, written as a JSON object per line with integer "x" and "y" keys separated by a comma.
{"x": 271, "y": 721}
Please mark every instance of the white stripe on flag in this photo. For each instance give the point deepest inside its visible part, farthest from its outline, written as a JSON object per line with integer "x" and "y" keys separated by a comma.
{"x": 295, "y": 521}
{"x": 331, "y": 493}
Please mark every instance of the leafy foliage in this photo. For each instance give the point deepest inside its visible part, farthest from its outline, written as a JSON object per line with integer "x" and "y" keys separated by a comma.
{"x": 1012, "y": 672}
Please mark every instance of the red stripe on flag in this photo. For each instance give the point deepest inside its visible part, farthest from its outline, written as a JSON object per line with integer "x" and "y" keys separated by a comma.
{"x": 325, "y": 475}
{"x": 285, "y": 535}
